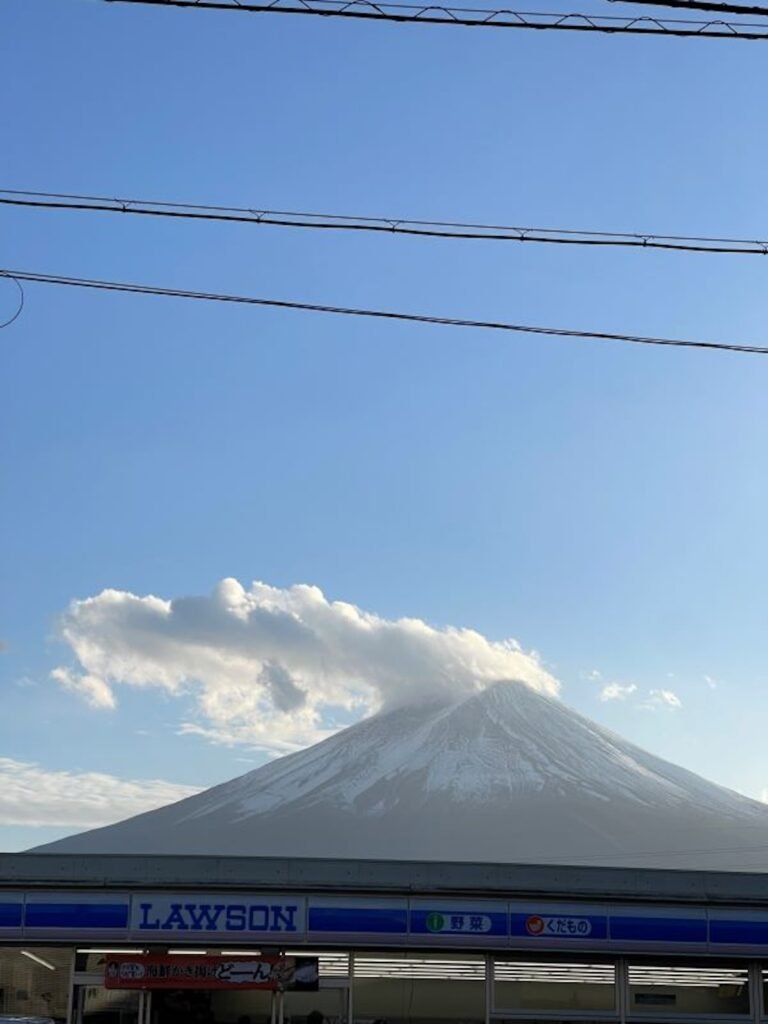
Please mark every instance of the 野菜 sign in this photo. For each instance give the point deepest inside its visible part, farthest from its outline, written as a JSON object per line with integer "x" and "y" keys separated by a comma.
{"x": 461, "y": 923}
{"x": 277, "y": 973}
{"x": 458, "y": 921}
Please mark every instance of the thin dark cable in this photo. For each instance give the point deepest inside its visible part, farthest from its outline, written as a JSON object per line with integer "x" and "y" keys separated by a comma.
{"x": 476, "y": 17}
{"x": 383, "y": 225}
{"x": 443, "y": 321}
{"x": 703, "y": 5}
{"x": 20, "y": 307}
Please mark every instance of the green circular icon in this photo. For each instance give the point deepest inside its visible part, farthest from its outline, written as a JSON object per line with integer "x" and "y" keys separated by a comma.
{"x": 435, "y": 922}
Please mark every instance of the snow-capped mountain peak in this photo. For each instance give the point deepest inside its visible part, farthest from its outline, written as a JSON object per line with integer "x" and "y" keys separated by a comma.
{"x": 506, "y": 774}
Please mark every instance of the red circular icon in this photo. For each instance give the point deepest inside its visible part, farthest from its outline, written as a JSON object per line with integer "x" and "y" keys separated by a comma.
{"x": 535, "y": 925}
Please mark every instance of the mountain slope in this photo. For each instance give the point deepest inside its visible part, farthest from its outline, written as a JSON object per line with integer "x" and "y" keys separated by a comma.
{"x": 506, "y": 775}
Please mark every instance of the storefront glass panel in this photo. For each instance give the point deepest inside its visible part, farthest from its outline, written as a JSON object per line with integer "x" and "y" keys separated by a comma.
{"x": 92, "y": 961}
{"x": 552, "y": 987}
{"x": 704, "y": 991}
{"x": 35, "y": 981}
{"x": 404, "y": 988}
{"x": 98, "y": 1005}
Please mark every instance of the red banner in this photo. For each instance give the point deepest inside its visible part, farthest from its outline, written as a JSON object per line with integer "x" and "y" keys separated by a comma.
{"x": 283, "y": 973}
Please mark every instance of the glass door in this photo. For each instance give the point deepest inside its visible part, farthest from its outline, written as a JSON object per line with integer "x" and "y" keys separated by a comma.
{"x": 92, "y": 1003}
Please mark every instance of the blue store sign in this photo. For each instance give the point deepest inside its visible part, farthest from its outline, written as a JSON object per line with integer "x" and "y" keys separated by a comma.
{"x": 217, "y": 914}
{"x": 419, "y": 922}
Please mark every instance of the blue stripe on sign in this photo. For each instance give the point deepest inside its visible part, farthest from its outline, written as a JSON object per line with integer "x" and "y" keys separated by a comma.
{"x": 10, "y": 915}
{"x": 465, "y": 923}
{"x": 554, "y": 927}
{"x": 659, "y": 929}
{"x": 740, "y": 933}
{"x": 392, "y": 920}
{"x": 76, "y": 915}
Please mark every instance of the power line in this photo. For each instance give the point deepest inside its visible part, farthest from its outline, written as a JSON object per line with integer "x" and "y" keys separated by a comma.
{"x": 383, "y": 225}
{"x": 19, "y": 308}
{"x": 703, "y": 5}
{"x": 476, "y": 17}
{"x": 421, "y": 318}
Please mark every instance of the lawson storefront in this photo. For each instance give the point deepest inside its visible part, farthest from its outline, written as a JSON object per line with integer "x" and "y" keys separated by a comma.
{"x": 188, "y": 940}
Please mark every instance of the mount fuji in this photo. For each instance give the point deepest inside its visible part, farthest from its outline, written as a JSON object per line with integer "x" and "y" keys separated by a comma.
{"x": 506, "y": 775}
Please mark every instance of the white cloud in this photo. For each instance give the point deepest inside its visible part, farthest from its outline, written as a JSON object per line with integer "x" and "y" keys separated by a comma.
{"x": 31, "y": 796}
{"x": 617, "y": 691}
{"x": 266, "y": 666}
{"x": 93, "y": 690}
{"x": 711, "y": 683}
{"x": 667, "y": 698}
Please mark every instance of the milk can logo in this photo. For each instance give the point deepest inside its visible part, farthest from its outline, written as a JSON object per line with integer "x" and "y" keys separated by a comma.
{"x": 476, "y": 924}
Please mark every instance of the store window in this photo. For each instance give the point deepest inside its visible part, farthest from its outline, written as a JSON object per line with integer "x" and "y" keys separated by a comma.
{"x": 553, "y": 988}
{"x": 705, "y": 991}
{"x": 251, "y": 1006}
{"x": 35, "y": 981}
{"x": 93, "y": 960}
{"x": 98, "y": 1005}
{"x": 330, "y": 1004}
{"x": 405, "y": 988}
{"x": 545, "y": 1016}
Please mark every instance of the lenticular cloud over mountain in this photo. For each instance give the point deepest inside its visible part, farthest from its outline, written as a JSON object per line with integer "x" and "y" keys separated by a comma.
{"x": 505, "y": 775}
{"x": 464, "y": 751}
{"x": 277, "y": 667}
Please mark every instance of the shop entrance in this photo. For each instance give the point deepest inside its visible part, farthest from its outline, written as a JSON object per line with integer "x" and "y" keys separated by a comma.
{"x": 328, "y": 1005}
{"x": 140, "y": 988}
{"x": 92, "y": 1003}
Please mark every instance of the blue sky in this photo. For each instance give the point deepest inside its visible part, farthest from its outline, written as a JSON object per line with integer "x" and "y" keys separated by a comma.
{"x": 602, "y": 504}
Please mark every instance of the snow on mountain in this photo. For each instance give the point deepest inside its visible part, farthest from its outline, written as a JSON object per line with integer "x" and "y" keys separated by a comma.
{"x": 506, "y": 775}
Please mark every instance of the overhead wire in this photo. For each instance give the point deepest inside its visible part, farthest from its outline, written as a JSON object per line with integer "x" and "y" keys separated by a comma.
{"x": 382, "y": 225}
{"x": 19, "y": 308}
{"x": 478, "y": 17}
{"x": 421, "y": 318}
{"x": 703, "y": 5}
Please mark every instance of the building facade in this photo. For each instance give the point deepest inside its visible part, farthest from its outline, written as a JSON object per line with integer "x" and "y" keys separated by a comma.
{"x": 394, "y": 942}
